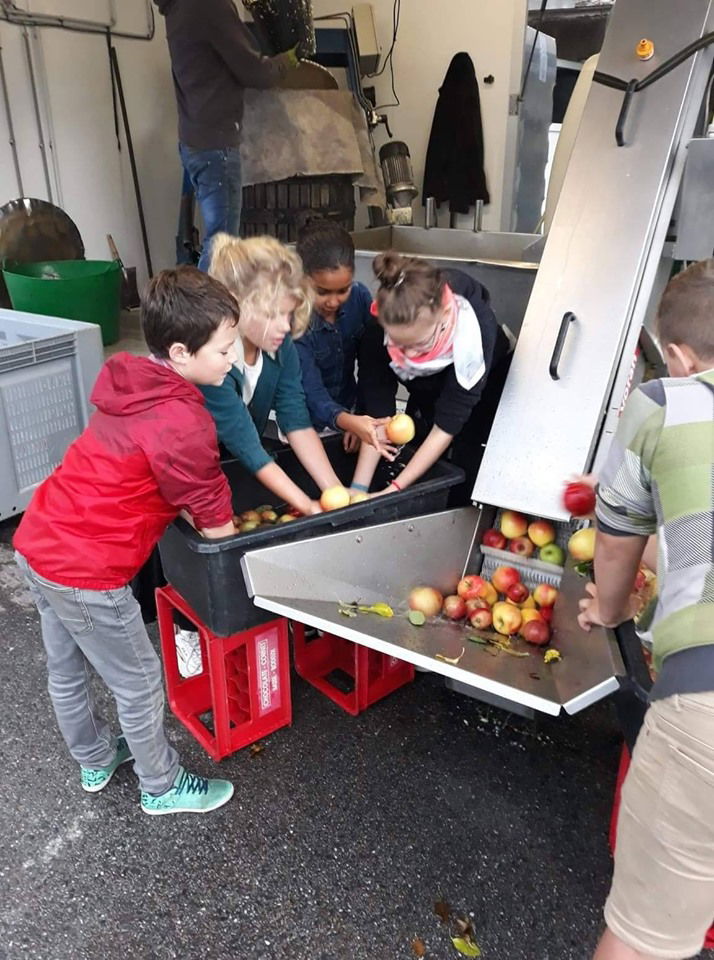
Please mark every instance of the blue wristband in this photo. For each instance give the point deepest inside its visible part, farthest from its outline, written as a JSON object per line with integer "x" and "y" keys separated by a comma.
{"x": 360, "y": 486}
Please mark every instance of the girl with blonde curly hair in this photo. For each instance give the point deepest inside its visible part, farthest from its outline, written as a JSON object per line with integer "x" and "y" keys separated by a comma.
{"x": 267, "y": 280}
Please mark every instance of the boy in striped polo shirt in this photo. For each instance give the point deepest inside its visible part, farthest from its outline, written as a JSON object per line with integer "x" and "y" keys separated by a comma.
{"x": 659, "y": 478}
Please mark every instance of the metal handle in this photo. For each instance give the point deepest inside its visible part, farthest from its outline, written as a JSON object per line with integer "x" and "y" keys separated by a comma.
{"x": 568, "y": 318}
{"x": 624, "y": 110}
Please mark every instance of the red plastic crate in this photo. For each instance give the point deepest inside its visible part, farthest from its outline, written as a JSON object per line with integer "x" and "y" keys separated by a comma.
{"x": 244, "y": 689}
{"x": 621, "y": 774}
{"x": 370, "y": 674}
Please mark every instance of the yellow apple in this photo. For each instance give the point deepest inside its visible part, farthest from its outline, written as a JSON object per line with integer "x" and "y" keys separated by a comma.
{"x": 581, "y": 545}
{"x": 506, "y": 618}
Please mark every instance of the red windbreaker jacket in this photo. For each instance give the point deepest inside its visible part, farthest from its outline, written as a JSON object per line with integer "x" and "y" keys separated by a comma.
{"x": 149, "y": 451}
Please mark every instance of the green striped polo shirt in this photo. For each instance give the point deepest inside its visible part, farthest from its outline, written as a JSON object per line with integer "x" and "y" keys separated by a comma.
{"x": 659, "y": 478}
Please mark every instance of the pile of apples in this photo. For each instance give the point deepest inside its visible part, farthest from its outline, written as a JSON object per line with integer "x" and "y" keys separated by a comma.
{"x": 263, "y": 516}
{"x": 504, "y": 604}
{"x": 522, "y": 537}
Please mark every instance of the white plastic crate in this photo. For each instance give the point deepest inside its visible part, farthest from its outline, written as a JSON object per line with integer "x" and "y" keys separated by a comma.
{"x": 48, "y": 366}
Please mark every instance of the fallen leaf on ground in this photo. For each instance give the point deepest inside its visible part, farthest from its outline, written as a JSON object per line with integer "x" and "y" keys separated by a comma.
{"x": 467, "y": 947}
{"x": 418, "y": 947}
{"x": 256, "y": 749}
{"x": 416, "y": 618}
{"x": 550, "y": 655}
{"x": 452, "y": 660}
{"x": 442, "y": 910}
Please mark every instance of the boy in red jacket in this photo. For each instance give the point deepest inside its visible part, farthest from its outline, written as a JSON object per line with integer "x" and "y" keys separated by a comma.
{"x": 149, "y": 451}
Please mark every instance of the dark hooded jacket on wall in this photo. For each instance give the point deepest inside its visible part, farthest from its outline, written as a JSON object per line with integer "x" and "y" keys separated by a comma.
{"x": 454, "y": 158}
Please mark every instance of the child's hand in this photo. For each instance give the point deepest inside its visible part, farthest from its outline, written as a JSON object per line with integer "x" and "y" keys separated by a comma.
{"x": 350, "y": 442}
{"x": 313, "y": 508}
{"x": 590, "y": 616}
{"x": 372, "y": 432}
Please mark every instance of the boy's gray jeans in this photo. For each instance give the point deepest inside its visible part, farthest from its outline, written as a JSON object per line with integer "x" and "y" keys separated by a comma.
{"x": 104, "y": 628}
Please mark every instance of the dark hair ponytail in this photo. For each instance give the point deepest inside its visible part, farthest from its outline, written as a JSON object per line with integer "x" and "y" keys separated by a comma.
{"x": 325, "y": 245}
{"x": 406, "y": 286}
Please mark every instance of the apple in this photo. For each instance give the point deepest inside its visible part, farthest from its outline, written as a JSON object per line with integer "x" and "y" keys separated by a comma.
{"x": 249, "y": 525}
{"x": 454, "y": 607}
{"x": 426, "y": 599}
{"x": 268, "y": 516}
{"x": 400, "y": 429}
{"x": 640, "y": 580}
{"x": 468, "y": 586}
{"x": 536, "y": 632}
{"x": 506, "y": 618}
{"x": 494, "y": 538}
{"x": 552, "y": 553}
{"x": 522, "y": 546}
{"x": 334, "y": 498}
{"x": 528, "y": 604}
{"x": 476, "y": 603}
{"x": 579, "y": 499}
{"x": 513, "y": 524}
{"x": 546, "y": 613}
{"x": 359, "y": 497}
{"x": 517, "y": 592}
{"x": 488, "y": 593}
{"x": 581, "y": 545}
{"x": 528, "y": 615}
{"x": 286, "y": 518}
{"x": 541, "y": 532}
{"x": 250, "y": 516}
{"x": 545, "y": 595}
{"x": 504, "y": 577}
{"x": 482, "y": 618}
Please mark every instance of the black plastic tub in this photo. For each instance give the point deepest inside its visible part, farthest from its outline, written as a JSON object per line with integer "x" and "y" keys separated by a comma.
{"x": 208, "y": 574}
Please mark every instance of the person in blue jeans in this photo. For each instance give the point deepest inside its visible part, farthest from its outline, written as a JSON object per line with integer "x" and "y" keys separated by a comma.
{"x": 213, "y": 60}
{"x": 328, "y": 348}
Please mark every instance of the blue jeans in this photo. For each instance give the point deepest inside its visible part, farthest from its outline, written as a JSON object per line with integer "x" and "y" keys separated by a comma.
{"x": 103, "y": 629}
{"x": 215, "y": 176}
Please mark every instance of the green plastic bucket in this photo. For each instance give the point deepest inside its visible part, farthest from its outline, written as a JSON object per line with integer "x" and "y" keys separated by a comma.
{"x": 87, "y": 290}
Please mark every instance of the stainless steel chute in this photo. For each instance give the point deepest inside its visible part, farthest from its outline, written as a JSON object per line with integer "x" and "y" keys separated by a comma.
{"x": 307, "y": 581}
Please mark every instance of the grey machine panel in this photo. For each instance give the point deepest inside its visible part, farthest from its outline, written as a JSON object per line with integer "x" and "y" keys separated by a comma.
{"x": 307, "y": 581}
{"x": 600, "y": 261}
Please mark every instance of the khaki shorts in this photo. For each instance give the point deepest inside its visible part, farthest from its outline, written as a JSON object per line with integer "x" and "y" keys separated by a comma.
{"x": 662, "y": 897}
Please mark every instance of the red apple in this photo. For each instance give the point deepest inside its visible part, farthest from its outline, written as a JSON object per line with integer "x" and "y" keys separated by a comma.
{"x": 506, "y": 618}
{"x": 545, "y": 595}
{"x": 517, "y": 593}
{"x": 427, "y": 600}
{"x": 528, "y": 615}
{"x": 522, "y": 546}
{"x": 513, "y": 524}
{"x": 494, "y": 538}
{"x": 482, "y": 618}
{"x": 474, "y": 604}
{"x": 469, "y": 585}
{"x": 536, "y": 632}
{"x": 579, "y": 499}
{"x": 454, "y": 608}
{"x": 504, "y": 577}
{"x": 541, "y": 532}
{"x": 546, "y": 613}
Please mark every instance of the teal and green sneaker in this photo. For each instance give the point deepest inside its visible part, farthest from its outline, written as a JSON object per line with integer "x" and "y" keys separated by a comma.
{"x": 189, "y": 794}
{"x": 95, "y": 779}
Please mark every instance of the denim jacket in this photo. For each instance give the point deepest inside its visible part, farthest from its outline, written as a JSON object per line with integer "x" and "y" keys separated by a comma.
{"x": 328, "y": 354}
